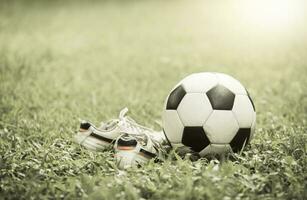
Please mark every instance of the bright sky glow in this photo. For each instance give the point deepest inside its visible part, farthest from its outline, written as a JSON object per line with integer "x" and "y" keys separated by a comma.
{"x": 272, "y": 14}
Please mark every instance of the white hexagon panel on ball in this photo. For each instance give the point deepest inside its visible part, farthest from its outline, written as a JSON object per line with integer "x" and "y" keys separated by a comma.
{"x": 199, "y": 82}
{"x": 194, "y": 109}
{"x": 173, "y": 126}
{"x": 221, "y": 127}
{"x": 243, "y": 110}
{"x": 231, "y": 83}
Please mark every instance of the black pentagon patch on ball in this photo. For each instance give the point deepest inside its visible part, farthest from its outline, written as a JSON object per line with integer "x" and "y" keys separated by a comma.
{"x": 221, "y": 98}
{"x": 240, "y": 140}
{"x": 175, "y": 98}
{"x": 251, "y": 100}
{"x": 195, "y": 137}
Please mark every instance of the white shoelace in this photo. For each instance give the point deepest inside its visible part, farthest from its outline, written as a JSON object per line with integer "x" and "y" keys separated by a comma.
{"x": 131, "y": 125}
{"x": 139, "y": 131}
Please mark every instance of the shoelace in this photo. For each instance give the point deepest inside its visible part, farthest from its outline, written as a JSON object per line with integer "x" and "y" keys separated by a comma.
{"x": 140, "y": 130}
{"x": 130, "y": 124}
{"x": 132, "y": 127}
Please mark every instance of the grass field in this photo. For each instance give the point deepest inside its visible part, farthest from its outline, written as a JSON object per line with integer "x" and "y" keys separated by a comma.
{"x": 65, "y": 61}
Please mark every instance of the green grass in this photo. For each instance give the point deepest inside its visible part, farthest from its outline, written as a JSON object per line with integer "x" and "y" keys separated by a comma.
{"x": 63, "y": 61}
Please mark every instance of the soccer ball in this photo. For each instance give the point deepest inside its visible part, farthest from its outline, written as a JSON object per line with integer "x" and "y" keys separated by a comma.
{"x": 210, "y": 113}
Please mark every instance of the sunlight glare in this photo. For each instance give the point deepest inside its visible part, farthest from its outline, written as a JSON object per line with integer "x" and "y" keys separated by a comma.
{"x": 272, "y": 14}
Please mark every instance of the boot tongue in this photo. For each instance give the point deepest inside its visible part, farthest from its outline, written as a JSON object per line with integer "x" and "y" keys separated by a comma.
{"x": 123, "y": 113}
{"x": 108, "y": 125}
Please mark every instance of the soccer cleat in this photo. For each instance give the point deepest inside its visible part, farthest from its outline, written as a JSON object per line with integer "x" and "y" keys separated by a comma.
{"x": 93, "y": 138}
{"x": 134, "y": 150}
{"x": 99, "y": 138}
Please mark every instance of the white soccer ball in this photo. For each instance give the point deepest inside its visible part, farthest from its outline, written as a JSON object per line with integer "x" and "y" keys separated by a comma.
{"x": 210, "y": 113}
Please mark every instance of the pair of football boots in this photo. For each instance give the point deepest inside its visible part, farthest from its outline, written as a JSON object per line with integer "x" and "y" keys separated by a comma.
{"x": 133, "y": 143}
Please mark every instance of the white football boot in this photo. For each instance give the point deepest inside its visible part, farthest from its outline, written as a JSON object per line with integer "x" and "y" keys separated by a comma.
{"x": 99, "y": 138}
{"x": 93, "y": 138}
{"x": 134, "y": 150}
